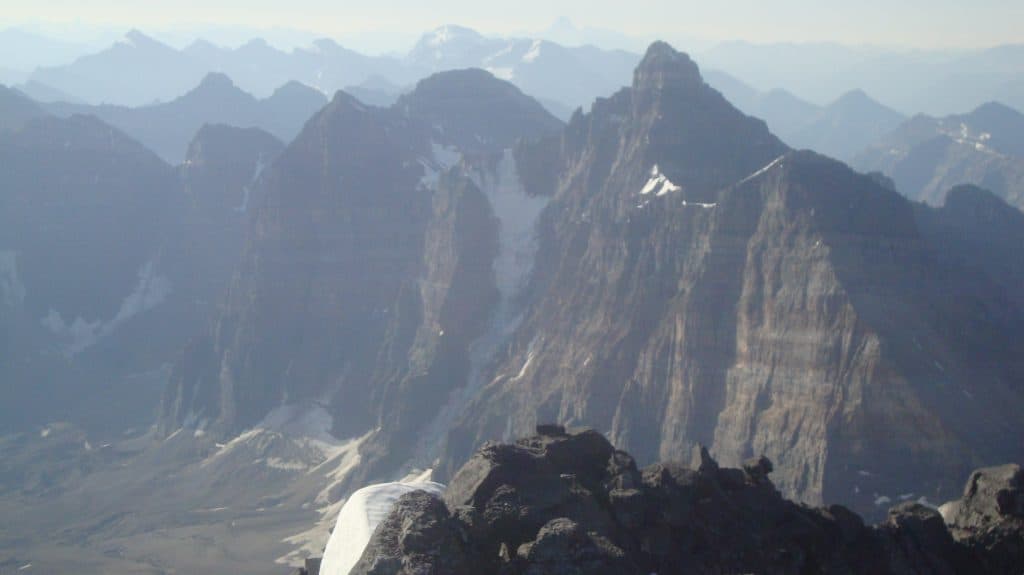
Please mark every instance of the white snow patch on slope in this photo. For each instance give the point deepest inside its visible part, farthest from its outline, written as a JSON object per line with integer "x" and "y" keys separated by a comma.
{"x": 502, "y": 72}
{"x": 361, "y": 514}
{"x": 150, "y": 291}
{"x": 441, "y": 36}
{"x": 517, "y": 215}
{"x": 289, "y": 438}
{"x": 12, "y": 291}
{"x": 334, "y": 470}
{"x": 441, "y": 159}
{"x": 770, "y": 165}
{"x": 525, "y": 368}
{"x": 659, "y": 184}
{"x": 533, "y": 53}
{"x": 247, "y": 189}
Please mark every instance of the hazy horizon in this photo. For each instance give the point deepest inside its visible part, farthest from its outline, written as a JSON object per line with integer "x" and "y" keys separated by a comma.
{"x": 375, "y": 28}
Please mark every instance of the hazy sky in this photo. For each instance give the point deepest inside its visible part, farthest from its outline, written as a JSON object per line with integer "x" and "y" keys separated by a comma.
{"x": 917, "y": 23}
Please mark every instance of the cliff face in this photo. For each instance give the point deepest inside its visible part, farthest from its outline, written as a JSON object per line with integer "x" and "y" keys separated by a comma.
{"x": 665, "y": 270}
{"x": 699, "y": 284}
{"x": 109, "y": 258}
{"x": 369, "y": 271}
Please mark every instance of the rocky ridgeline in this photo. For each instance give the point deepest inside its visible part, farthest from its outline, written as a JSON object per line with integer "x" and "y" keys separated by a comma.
{"x": 568, "y": 502}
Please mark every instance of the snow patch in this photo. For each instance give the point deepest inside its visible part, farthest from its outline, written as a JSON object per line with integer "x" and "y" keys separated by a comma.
{"x": 517, "y": 215}
{"x": 659, "y": 184}
{"x": 770, "y": 165}
{"x": 441, "y": 159}
{"x": 12, "y": 291}
{"x": 502, "y": 72}
{"x": 247, "y": 189}
{"x": 533, "y": 53}
{"x": 150, "y": 291}
{"x": 359, "y": 517}
{"x": 278, "y": 463}
{"x": 441, "y": 36}
{"x": 526, "y": 366}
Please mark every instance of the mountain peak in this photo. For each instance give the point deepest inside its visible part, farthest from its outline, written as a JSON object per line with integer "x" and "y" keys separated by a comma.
{"x": 866, "y": 109}
{"x": 256, "y": 44}
{"x": 854, "y": 95}
{"x": 136, "y": 39}
{"x": 476, "y": 110}
{"x": 294, "y": 88}
{"x": 326, "y": 45}
{"x": 448, "y": 33}
{"x": 663, "y": 66}
{"x": 994, "y": 110}
{"x": 461, "y": 81}
{"x": 201, "y": 46}
{"x": 216, "y": 80}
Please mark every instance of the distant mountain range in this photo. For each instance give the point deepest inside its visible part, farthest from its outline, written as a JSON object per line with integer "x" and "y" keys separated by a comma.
{"x": 841, "y": 129}
{"x": 925, "y": 156}
{"x": 168, "y": 128}
{"x": 910, "y": 81}
{"x": 140, "y": 70}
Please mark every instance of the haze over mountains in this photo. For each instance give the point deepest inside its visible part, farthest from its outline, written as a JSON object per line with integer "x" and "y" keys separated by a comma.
{"x": 223, "y": 313}
{"x": 910, "y": 82}
{"x": 926, "y": 156}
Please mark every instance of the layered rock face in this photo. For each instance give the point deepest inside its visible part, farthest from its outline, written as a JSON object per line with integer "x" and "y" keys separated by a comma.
{"x": 221, "y": 184}
{"x": 84, "y": 214}
{"x": 369, "y": 268}
{"x": 698, "y": 283}
{"x": 665, "y": 270}
{"x": 568, "y": 502}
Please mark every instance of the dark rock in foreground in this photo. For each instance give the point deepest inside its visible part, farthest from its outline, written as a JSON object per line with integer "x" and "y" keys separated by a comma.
{"x": 568, "y": 502}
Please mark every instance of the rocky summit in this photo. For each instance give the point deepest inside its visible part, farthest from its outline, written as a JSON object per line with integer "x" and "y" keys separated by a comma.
{"x": 567, "y": 502}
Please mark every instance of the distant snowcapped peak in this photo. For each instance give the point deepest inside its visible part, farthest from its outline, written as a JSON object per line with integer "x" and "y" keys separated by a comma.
{"x": 534, "y": 51}
{"x": 449, "y": 33}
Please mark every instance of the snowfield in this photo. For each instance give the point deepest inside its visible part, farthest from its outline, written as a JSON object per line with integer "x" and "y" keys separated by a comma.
{"x": 363, "y": 511}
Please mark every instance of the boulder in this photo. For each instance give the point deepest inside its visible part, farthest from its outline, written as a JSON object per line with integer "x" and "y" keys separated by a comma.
{"x": 989, "y": 518}
{"x": 418, "y": 536}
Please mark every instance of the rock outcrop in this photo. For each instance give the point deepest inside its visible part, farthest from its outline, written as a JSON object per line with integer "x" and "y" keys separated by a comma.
{"x": 567, "y": 502}
{"x": 989, "y": 518}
